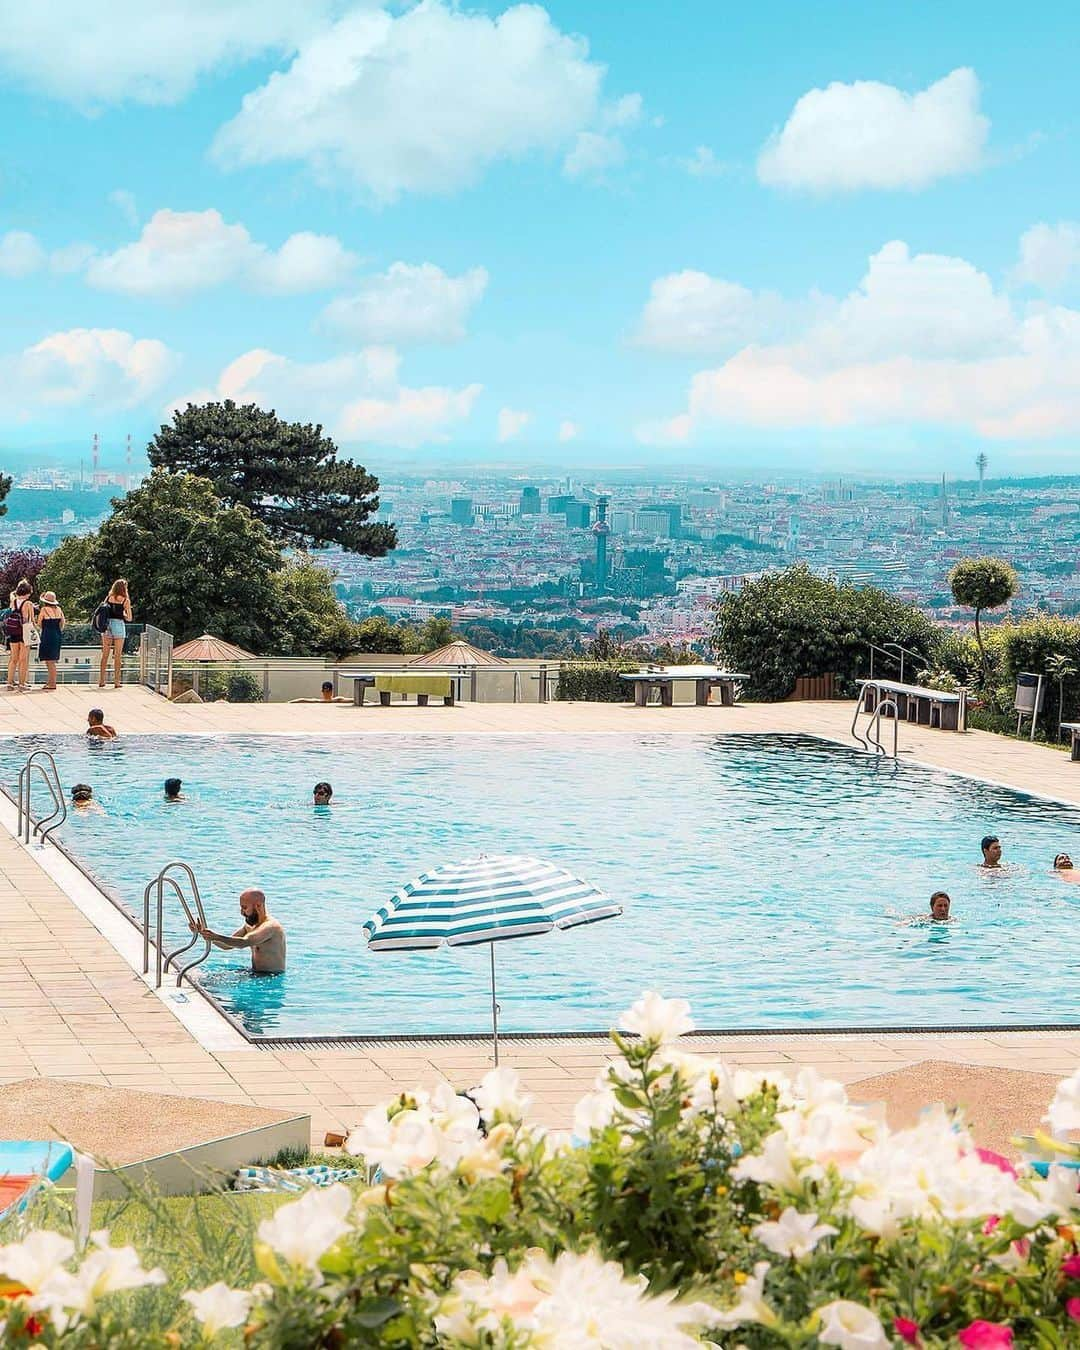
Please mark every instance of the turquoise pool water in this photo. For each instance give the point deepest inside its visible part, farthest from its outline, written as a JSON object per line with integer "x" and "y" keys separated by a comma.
{"x": 761, "y": 876}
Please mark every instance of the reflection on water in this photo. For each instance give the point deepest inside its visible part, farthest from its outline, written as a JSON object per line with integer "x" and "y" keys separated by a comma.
{"x": 762, "y": 877}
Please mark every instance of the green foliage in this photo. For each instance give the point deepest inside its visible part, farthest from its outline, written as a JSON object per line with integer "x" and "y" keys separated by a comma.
{"x": 71, "y": 571}
{"x": 432, "y": 634}
{"x": 377, "y": 634}
{"x": 193, "y": 565}
{"x": 286, "y": 473}
{"x": 793, "y": 623}
{"x": 983, "y": 583}
{"x": 5, "y": 488}
{"x": 230, "y": 686}
{"x": 595, "y": 681}
{"x": 308, "y": 618}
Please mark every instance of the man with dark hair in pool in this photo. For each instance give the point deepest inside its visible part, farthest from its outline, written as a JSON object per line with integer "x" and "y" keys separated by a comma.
{"x": 172, "y": 790}
{"x": 321, "y": 794}
{"x": 97, "y": 728}
{"x": 1063, "y": 868}
{"x": 261, "y": 932}
{"x": 991, "y": 851}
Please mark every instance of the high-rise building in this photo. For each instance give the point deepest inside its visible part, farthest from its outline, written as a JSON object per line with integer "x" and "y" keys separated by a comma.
{"x": 557, "y": 505}
{"x": 600, "y": 530}
{"x": 461, "y": 510}
{"x": 530, "y": 501}
{"x": 578, "y": 515}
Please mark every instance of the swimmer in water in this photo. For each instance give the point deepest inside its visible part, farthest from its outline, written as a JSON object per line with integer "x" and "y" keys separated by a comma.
{"x": 1063, "y": 867}
{"x": 991, "y": 851}
{"x": 261, "y": 932}
{"x": 321, "y": 794}
{"x": 939, "y": 907}
{"x": 82, "y": 799}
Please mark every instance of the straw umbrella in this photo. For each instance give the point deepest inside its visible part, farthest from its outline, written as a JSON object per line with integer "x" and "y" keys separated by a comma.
{"x": 209, "y": 648}
{"x": 488, "y": 899}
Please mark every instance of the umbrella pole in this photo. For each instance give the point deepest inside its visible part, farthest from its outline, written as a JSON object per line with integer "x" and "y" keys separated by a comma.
{"x": 494, "y": 1005}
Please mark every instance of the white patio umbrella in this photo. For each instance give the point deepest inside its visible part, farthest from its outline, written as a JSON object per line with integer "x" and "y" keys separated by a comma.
{"x": 485, "y": 900}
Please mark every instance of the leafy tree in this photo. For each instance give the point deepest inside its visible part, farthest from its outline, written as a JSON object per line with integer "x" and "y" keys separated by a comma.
{"x": 286, "y": 473}
{"x": 793, "y": 623}
{"x": 983, "y": 583}
{"x": 193, "y": 564}
{"x": 5, "y": 488}
{"x": 17, "y": 563}
{"x": 309, "y": 620}
{"x": 71, "y": 571}
{"x": 377, "y": 634}
{"x": 432, "y": 634}
{"x": 1060, "y": 669}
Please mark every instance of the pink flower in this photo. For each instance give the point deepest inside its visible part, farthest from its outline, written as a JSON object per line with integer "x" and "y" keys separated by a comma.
{"x": 991, "y": 1223}
{"x": 907, "y": 1330}
{"x": 1071, "y": 1267}
{"x": 1072, "y": 1307}
{"x": 986, "y": 1336}
{"x": 1022, "y": 1247}
{"x": 993, "y": 1159}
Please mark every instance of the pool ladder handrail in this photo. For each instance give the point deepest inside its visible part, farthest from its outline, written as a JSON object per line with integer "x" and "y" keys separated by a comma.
{"x": 198, "y": 918}
{"x": 45, "y": 764}
{"x": 873, "y": 726}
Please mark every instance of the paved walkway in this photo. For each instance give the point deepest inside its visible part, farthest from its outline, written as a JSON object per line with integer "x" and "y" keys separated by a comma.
{"x": 71, "y": 1007}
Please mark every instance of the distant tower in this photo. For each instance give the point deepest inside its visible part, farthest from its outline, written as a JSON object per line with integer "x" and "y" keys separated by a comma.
{"x": 601, "y": 529}
{"x": 129, "y": 459}
{"x": 94, "y": 479}
{"x": 980, "y": 463}
{"x": 944, "y": 504}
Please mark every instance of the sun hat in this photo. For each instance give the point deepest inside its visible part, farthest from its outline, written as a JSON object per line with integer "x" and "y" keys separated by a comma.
{"x": 49, "y": 598}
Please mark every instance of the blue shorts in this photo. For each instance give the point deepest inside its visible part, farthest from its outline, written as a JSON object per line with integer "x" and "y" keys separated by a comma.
{"x": 117, "y": 629}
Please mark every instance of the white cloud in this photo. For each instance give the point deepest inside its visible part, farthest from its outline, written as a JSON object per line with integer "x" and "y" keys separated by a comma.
{"x": 923, "y": 339}
{"x": 72, "y": 257}
{"x": 593, "y": 154}
{"x": 357, "y": 396}
{"x": 692, "y": 312}
{"x": 1049, "y": 255}
{"x": 569, "y": 431}
{"x": 20, "y": 254}
{"x": 124, "y": 201}
{"x": 512, "y": 423}
{"x": 870, "y": 135}
{"x": 407, "y": 305}
{"x": 120, "y": 51}
{"x": 419, "y": 102}
{"x": 180, "y": 252}
{"x": 97, "y": 367}
{"x": 703, "y": 163}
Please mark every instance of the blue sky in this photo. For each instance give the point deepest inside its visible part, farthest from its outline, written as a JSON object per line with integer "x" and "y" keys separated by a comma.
{"x": 829, "y": 236}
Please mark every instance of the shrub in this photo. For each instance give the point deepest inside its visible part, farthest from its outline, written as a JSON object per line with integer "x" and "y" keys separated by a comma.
{"x": 793, "y": 623}
{"x": 983, "y": 583}
{"x": 739, "y": 1207}
{"x": 234, "y": 686}
{"x": 594, "y": 681}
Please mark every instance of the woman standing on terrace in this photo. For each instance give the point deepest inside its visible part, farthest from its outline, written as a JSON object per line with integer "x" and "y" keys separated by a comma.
{"x": 17, "y": 626}
{"x": 111, "y": 621}
{"x": 51, "y": 623}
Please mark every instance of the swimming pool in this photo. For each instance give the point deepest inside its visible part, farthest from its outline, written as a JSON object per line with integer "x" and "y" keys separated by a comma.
{"x": 761, "y": 876}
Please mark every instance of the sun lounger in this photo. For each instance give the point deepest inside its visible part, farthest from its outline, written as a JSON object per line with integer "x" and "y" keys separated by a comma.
{"x": 26, "y": 1165}
{"x": 421, "y": 687}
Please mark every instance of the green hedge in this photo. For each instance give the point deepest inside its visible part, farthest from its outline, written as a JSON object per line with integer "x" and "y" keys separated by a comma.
{"x": 595, "y": 681}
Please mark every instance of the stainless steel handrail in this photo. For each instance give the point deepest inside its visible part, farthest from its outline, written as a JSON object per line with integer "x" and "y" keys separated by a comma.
{"x": 197, "y": 920}
{"x": 44, "y": 827}
{"x": 890, "y": 650}
{"x": 875, "y": 723}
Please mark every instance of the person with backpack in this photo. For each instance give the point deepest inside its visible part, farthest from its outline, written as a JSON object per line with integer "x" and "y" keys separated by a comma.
{"x": 111, "y": 619}
{"x": 51, "y": 625}
{"x": 18, "y": 622}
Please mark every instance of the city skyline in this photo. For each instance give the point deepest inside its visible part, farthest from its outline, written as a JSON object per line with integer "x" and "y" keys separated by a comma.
{"x": 844, "y": 242}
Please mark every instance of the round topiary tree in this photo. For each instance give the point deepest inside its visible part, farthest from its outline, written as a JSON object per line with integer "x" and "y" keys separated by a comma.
{"x": 983, "y": 583}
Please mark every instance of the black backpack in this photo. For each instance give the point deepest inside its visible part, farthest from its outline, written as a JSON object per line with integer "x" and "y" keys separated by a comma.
{"x": 13, "y": 624}
{"x": 100, "y": 622}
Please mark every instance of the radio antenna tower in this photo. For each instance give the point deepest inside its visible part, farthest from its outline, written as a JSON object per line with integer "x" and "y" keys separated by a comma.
{"x": 93, "y": 480}
{"x": 980, "y": 463}
{"x": 128, "y": 484}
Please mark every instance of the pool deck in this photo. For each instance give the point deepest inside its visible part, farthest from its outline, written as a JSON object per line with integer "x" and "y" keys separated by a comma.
{"x": 71, "y": 1006}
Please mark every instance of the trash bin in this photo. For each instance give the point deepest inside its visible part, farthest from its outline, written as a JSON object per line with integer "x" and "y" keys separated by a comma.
{"x": 1030, "y": 692}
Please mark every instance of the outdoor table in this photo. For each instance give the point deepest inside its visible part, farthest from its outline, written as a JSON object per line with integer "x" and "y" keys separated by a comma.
{"x": 706, "y": 678}
{"x": 361, "y": 684}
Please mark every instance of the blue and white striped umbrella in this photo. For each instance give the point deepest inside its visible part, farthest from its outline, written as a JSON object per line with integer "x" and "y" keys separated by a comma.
{"x": 487, "y": 899}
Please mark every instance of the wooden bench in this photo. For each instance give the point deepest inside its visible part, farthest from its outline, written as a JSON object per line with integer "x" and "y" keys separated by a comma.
{"x": 705, "y": 678}
{"x": 916, "y": 704}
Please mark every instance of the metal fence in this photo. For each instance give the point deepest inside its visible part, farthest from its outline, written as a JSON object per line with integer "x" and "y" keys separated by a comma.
{"x": 155, "y": 660}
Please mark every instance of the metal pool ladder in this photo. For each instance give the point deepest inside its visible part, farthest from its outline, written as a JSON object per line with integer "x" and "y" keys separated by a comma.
{"x": 193, "y": 913}
{"x": 872, "y": 739}
{"x": 43, "y": 762}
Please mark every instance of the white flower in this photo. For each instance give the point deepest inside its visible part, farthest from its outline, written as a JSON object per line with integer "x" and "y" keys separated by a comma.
{"x": 399, "y": 1146}
{"x": 499, "y": 1096}
{"x": 793, "y": 1234}
{"x": 105, "y": 1270}
{"x": 773, "y": 1166}
{"x": 34, "y": 1261}
{"x": 658, "y": 1019}
{"x": 219, "y": 1307}
{"x": 751, "y": 1306}
{"x": 302, "y": 1232}
{"x": 594, "y": 1112}
{"x": 851, "y": 1326}
{"x": 1064, "y": 1112}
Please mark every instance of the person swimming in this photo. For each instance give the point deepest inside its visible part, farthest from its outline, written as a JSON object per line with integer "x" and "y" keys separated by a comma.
{"x": 1063, "y": 868}
{"x": 991, "y": 851}
{"x": 173, "y": 791}
{"x": 321, "y": 794}
{"x": 940, "y": 906}
{"x": 260, "y": 932}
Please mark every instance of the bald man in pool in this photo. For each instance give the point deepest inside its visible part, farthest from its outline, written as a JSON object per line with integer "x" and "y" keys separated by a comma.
{"x": 261, "y": 932}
